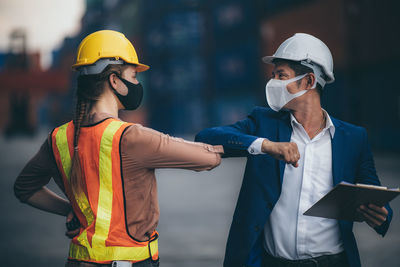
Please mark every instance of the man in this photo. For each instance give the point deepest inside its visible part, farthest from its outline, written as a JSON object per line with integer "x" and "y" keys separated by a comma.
{"x": 296, "y": 153}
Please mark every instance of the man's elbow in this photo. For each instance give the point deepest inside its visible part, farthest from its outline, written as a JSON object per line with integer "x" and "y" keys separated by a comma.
{"x": 202, "y": 136}
{"x": 199, "y": 137}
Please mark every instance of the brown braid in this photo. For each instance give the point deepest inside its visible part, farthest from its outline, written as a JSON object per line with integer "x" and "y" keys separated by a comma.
{"x": 90, "y": 88}
{"x": 80, "y": 114}
{"x": 81, "y": 110}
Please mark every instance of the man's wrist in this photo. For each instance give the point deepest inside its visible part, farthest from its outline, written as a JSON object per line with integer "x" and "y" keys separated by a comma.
{"x": 266, "y": 144}
{"x": 256, "y": 147}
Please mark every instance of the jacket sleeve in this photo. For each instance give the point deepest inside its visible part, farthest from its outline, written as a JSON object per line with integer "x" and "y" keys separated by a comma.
{"x": 235, "y": 138}
{"x": 152, "y": 149}
{"x": 366, "y": 173}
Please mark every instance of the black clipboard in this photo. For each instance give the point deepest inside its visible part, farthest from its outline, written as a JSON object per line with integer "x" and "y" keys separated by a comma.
{"x": 342, "y": 201}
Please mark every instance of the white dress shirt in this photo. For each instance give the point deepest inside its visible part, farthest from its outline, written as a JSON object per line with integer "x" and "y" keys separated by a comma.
{"x": 288, "y": 233}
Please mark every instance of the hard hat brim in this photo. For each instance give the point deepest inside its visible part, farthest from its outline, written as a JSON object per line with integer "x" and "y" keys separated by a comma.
{"x": 268, "y": 59}
{"x": 139, "y": 66}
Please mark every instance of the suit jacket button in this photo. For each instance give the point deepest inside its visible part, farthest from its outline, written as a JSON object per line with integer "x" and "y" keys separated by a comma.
{"x": 269, "y": 206}
{"x": 256, "y": 228}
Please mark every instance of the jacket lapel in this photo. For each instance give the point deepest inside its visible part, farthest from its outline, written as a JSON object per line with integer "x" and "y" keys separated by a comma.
{"x": 284, "y": 135}
{"x": 338, "y": 143}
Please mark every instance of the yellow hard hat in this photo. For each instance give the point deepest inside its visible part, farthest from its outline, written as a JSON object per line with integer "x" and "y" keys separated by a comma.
{"x": 107, "y": 44}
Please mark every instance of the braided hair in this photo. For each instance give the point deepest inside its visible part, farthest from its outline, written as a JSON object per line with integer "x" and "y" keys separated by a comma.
{"x": 89, "y": 90}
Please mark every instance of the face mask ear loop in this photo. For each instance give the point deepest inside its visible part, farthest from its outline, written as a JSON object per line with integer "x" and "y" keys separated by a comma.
{"x": 116, "y": 74}
{"x": 295, "y": 79}
{"x": 315, "y": 84}
{"x": 315, "y": 81}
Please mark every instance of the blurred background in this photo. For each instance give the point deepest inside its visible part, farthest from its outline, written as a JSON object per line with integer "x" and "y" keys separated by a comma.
{"x": 206, "y": 70}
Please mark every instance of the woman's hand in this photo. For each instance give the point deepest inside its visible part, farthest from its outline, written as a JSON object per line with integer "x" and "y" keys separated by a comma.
{"x": 72, "y": 224}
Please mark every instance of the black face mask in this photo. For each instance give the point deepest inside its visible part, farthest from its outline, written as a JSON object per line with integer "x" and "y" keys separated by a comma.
{"x": 132, "y": 100}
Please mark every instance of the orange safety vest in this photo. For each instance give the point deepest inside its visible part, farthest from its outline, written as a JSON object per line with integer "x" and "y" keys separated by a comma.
{"x": 100, "y": 208}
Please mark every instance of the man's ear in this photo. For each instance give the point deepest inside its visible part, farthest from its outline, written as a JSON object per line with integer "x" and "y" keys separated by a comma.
{"x": 310, "y": 80}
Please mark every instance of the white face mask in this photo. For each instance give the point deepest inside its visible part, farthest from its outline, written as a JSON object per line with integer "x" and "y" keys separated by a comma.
{"x": 277, "y": 93}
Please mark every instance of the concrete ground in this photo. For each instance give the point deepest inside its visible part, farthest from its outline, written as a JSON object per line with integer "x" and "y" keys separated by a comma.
{"x": 196, "y": 212}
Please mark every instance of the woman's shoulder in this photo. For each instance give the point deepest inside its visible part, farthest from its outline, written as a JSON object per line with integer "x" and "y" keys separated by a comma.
{"x": 137, "y": 133}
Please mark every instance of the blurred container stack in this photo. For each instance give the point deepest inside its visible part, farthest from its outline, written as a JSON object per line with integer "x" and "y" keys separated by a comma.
{"x": 174, "y": 35}
{"x": 24, "y": 86}
{"x": 206, "y": 67}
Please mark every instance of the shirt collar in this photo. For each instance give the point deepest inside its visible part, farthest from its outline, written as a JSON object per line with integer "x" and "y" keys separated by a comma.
{"x": 329, "y": 125}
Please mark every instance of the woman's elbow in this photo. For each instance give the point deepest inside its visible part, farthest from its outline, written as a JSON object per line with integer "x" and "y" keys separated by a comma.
{"x": 19, "y": 193}
{"x": 218, "y": 161}
{"x": 211, "y": 163}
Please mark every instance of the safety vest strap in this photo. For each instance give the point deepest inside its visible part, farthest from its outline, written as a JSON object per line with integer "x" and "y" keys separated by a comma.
{"x": 104, "y": 254}
{"x": 65, "y": 157}
{"x": 104, "y": 207}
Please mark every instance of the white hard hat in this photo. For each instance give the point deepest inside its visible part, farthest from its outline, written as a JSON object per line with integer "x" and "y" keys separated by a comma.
{"x": 309, "y": 51}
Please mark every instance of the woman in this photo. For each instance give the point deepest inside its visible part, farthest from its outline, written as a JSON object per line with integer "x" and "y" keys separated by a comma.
{"x": 106, "y": 166}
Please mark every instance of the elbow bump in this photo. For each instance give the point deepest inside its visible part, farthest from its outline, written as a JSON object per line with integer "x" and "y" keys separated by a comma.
{"x": 202, "y": 136}
{"x": 216, "y": 162}
{"x": 198, "y": 137}
{"x": 210, "y": 164}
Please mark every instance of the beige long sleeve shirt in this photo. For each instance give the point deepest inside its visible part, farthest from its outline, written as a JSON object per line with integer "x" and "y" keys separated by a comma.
{"x": 142, "y": 151}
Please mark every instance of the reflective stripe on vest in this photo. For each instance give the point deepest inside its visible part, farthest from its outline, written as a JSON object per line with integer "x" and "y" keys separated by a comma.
{"x": 99, "y": 208}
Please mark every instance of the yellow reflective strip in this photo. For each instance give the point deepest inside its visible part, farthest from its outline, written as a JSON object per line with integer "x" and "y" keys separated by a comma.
{"x": 104, "y": 208}
{"x": 84, "y": 207}
{"x": 154, "y": 247}
{"x": 63, "y": 149}
{"x": 82, "y": 201}
{"x": 78, "y": 252}
{"x": 113, "y": 253}
{"x": 83, "y": 240}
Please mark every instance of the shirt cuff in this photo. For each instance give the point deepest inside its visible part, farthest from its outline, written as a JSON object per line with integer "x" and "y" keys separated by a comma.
{"x": 255, "y": 147}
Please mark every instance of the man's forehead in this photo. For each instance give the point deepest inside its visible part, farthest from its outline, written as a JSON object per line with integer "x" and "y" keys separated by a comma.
{"x": 281, "y": 67}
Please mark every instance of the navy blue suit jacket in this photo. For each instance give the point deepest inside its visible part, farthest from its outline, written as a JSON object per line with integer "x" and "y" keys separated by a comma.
{"x": 261, "y": 187}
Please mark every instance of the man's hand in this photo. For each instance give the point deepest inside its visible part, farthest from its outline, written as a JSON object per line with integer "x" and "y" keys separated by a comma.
{"x": 285, "y": 151}
{"x": 72, "y": 225}
{"x": 373, "y": 215}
